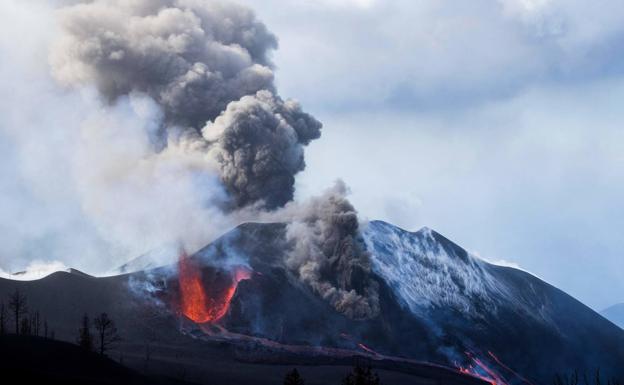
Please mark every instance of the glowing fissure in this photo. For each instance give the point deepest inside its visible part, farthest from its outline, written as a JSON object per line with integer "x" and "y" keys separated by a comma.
{"x": 498, "y": 361}
{"x": 480, "y": 369}
{"x": 201, "y": 305}
{"x": 367, "y": 349}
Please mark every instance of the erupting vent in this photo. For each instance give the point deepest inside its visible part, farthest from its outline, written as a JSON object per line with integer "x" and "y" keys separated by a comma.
{"x": 207, "y": 300}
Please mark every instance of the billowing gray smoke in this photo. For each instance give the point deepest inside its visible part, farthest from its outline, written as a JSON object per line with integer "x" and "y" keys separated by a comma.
{"x": 260, "y": 147}
{"x": 327, "y": 255}
{"x": 205, "y": 63}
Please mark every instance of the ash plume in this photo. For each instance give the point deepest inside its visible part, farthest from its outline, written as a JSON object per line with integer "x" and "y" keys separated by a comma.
{"x": 167, "y": 129}
{"x": 260, "y": 147}
{"x": 206, "y": 65}
{"x": 327, "y": 254}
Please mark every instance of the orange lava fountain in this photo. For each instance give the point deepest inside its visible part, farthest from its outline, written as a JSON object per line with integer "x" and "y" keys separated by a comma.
{"x": 197, "y": 304}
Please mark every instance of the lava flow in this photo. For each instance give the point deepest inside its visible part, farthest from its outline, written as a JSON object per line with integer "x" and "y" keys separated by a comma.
{"x": 479, "y": 369}
{"x": 201, "y": 305}
{"x": 498, "y": 361}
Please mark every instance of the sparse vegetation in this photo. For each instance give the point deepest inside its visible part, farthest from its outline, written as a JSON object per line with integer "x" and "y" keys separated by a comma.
{"x": 106, "y": 332}
{"x": 35, "y": 324}
{"x": 293, "y": 378}
{"x": 25, "y": 327}
{"x": 361, "y": 376}
{"x": 85, "y": 338}
{"x": 2, "y": 319}
{"x": 575, "y": 379}
{"x": 18, "y": 307}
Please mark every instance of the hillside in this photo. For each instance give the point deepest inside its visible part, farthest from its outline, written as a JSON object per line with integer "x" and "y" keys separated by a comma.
{"x": 443, "y": 314}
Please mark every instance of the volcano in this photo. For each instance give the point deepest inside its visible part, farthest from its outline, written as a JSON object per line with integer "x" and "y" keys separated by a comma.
{"x": 233, "y": 311}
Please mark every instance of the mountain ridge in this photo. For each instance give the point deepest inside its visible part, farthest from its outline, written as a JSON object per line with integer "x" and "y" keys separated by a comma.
{"x": 437, "y": 302}
{"x": 615, "y": 314}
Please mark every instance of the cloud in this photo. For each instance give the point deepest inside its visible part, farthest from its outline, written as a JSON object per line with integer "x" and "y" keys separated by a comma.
{"x": 35, "y": 270}
{"x": 440, "y": 55}
{"x": 345, "y": 3}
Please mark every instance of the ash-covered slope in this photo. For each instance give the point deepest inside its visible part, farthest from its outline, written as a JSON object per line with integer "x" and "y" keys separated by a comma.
{"x": 528, "y": 324}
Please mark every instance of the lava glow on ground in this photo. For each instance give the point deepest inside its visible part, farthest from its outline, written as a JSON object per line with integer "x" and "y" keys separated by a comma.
{"x": 480, "y": 369}
{"x": 201, "y": 304}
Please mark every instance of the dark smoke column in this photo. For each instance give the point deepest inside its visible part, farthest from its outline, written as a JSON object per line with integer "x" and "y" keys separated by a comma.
{"x": 328, "y": 256}
{"x": 205, "y": 63}
{"x": 261, "y": 148}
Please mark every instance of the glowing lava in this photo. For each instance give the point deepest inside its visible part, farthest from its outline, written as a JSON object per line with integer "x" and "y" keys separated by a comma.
{"x": 367, "y": 349}
{"x": 498, "y": 361}
{"x": 479, "y": 369}
{"x": 201, "y": 305}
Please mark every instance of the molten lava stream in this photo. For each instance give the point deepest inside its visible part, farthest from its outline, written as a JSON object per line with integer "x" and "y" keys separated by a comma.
{"x": 198, "y": 305}
{"x": 479, "y": 369}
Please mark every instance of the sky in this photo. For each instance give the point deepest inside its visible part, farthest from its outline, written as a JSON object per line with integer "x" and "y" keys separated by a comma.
{"x": 494, "y": 122}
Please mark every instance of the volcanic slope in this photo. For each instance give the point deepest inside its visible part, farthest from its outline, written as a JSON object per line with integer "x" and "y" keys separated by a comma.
{"x": 156, "y": 341}
{"x": 438, "y": 304}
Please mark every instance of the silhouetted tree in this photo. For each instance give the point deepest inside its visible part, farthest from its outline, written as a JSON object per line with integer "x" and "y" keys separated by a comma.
{"x": 2, "y": 319}
{"x": 25, "y": 327}
{"x": 293, "y": 378}
{"x": 45, "y": 329}
{"x": 573, "y": 379}
{"x": 18, "y": 306}
{"x": 35, "y": 324}
{"x": 106, "y": 332}
{"x": 149, "y": 337}
{"x": 567, "y": 380}
{"x": 361, "y": 376}
{"x": 85, "y": 338}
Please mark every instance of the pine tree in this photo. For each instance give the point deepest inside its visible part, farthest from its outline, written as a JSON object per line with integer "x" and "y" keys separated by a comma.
{"x": 2, "y": 319}
{"x": 35, "y": 324}
{"x": 293, "y": 378}
{"x": 18, "y": 306}
{"x": 85, "y": 338}
{"x": 361, "y": 376}
{"x": 25, "y": 328}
